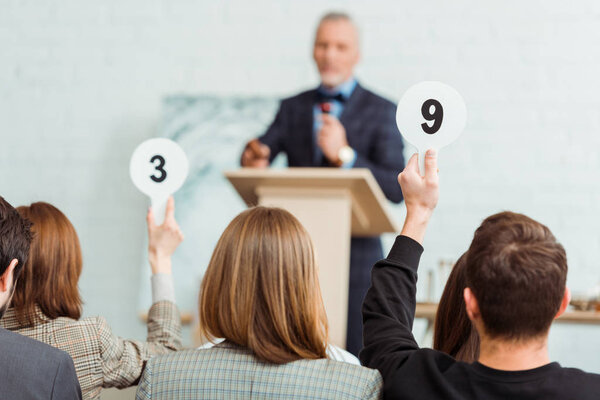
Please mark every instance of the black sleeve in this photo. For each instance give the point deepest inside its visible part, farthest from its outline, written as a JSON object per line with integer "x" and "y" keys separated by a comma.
{"x": 386, "y": 160}
{"x": 273, "y": 137}
{"x": 66, "y": 385}
{"x": 389, "y": 309}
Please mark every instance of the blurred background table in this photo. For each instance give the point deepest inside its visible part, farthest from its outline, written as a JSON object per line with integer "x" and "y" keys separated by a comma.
{"x": 427, "y": 311}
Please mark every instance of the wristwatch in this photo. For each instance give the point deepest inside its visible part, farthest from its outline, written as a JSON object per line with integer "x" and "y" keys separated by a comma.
{"x": 345, "y": 155}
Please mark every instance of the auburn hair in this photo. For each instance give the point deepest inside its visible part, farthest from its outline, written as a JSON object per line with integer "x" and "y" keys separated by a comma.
{"x": 454, "y": 334}
{"x": 50, "y": 275}
{"x": 261, "y": 288}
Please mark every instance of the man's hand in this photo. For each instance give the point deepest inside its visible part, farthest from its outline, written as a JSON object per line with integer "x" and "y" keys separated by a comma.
{"x": 420, "y": 194}
{"x": 331, "y": 138}
{"x": 163, "y": 239}
{"x": 256, "y": 155}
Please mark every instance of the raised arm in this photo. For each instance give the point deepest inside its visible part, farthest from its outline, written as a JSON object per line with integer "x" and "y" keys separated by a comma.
{"x": 123, "y": 359}
{"x": 164, "y": 321}
{"x": 163, "y": 240}
{"x": 389, "y": 306}
{"x": 421, "y": 195}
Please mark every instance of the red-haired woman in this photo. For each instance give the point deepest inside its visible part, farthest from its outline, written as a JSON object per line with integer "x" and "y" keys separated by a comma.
{"x": 47, "y": 305}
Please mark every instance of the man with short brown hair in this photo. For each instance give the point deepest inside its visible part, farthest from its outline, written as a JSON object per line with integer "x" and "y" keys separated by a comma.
{"x": 516, "y": 274}
{"x": 515, "y": 263}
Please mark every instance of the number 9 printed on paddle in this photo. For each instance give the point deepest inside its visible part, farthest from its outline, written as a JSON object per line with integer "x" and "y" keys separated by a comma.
{"x": 431, "y": 115}
{"x": 158, "y": 168}
{"x": 437, "y": 116}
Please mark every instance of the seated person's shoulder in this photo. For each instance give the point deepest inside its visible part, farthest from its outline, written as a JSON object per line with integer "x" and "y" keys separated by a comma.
{"x": 333, "y": 368}
{"x": 84, "y": 335}
{"x": 82, "y": 326}
{"x": 307, "y": 95}
{"x": 579, "y": 378}
{"x": 342, "y": 377}
{"x": 189, "y": 362}
{"x": 380, "y": 102}
{"x": 15, "y": 345}
{"x": 440, "y": 359}
{"x": 184, "y": 358}
{"x": 353, "y": 369}
{"x": 435, "y": 362}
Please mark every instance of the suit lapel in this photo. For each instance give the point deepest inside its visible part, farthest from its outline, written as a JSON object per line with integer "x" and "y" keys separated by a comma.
{"x": 350, "y": 117}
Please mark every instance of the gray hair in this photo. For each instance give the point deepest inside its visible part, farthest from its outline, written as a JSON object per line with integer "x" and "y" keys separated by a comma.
{"x": 336, "y": 16}
{"x": 339, "y": 16}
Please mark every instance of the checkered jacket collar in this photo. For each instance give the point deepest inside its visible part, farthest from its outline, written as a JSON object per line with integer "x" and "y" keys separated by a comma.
{"x": 10, "y": 321}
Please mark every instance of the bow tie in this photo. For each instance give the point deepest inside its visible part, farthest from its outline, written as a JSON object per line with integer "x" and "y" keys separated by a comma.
{"x": 325, "y": 97}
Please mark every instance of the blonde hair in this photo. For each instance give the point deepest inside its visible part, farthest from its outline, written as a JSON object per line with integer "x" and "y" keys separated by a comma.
{"x": 261, "y": 289}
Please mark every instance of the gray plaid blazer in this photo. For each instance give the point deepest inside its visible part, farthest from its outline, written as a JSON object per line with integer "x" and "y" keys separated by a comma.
{"x": 228, "y": 371}
{"x": 101, "y": 358}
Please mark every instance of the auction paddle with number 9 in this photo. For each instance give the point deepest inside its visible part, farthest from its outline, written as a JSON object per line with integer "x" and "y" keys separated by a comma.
{"x": 431, "y": 115}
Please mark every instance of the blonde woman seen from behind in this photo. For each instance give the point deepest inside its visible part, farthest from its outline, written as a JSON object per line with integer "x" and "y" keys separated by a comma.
{"x": 261, "y": 294}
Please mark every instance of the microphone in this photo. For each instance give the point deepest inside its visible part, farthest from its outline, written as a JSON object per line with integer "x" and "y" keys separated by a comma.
{"x": 325, "y": 108}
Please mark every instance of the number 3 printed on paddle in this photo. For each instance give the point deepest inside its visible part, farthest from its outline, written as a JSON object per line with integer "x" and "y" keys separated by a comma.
{"x": 431, "y": 115}
{"x": 158, "y": 168}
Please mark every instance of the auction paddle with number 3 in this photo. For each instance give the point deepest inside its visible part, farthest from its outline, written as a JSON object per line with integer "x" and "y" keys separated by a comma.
{"x": 158, "y": 168}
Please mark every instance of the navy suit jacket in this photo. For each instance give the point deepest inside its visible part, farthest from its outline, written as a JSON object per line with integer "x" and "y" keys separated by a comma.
{"x": 34, "y": 370}
{"x": 370, "y": 123}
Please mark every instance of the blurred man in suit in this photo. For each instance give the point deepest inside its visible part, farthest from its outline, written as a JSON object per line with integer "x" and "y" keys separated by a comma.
{"x": 339, "y": 124}
{"x": 28, "y": 369}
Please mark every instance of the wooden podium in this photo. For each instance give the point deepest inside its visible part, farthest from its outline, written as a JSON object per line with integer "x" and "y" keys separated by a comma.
{"x": 333, "y": 205}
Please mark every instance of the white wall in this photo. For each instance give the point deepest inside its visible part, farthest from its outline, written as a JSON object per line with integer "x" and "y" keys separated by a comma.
{"x": 81, "y": 84}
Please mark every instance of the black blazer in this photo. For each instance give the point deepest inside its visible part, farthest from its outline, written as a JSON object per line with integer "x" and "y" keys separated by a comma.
{"x": 370, "y": 123}
{"x": 34, "y": 370}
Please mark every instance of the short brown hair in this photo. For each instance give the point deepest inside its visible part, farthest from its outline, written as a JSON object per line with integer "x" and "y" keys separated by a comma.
{"x": 15, "y": 238}
{"x": 454, "y": 334}
{"x": 52, "y": 272}
{"x": 261, "y": 288}
{"x": 517, "y": 271}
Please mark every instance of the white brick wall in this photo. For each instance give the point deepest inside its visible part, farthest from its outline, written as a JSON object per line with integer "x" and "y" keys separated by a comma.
{"x": 81, "y": 83}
